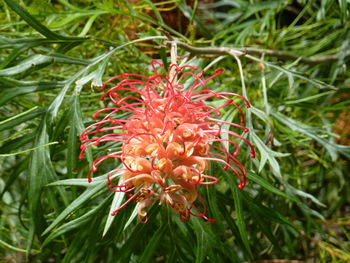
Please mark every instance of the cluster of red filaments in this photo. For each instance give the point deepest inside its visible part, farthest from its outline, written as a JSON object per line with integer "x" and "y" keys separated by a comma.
{"x": 169, "y": 137}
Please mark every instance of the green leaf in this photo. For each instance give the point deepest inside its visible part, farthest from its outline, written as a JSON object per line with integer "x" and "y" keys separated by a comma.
{"x": 147, "y": 255}
{"x": 266, "y": 212}
{"x": 202, "y": 246}
{"x": 20, "y": 118}
{"x": 28, "y": 150}
{"x": 86, "y": 196}
{"x": 133, "y": 239}
{"x": 131, "y": 218}
{"x": 27, "y": 43}
{"x": 36, "y": 61}
{"x": 29, "y": 63}
{"x": 36, "y": 24}
{"x": 265, "y": 226}
{"x": 267, "y": 155}
{"x": 14, "y": 136}
{"x": 14, "y": 174}
{"x": 117, "y": 201}
{"x": 303, "y": 194}
{"x": 265, "y": 184}
{"x": 39, "y": 168}
{"x": 13, "y": 55}
{"x": 74, "y": 132}
{"x": 237, "y": 197}
{"x": 9, "y": 93}
{"x": 313, "y": 97}
{"x": 78, "y": 243}
{"x": 75, "y": 223}
{"x": 207, "y": 240}
{"x": 290, "y": 74}
{"x": 80, "y": 182}
{"x": 332, "y": 148}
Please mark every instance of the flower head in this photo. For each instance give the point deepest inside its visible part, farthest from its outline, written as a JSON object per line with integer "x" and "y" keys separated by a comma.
{"x": 168, "y": 138}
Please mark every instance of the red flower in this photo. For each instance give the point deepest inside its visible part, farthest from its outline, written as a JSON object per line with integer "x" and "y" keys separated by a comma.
{"x": 169, "y": 136}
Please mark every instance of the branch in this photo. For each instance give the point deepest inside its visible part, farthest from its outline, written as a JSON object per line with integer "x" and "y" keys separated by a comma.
{"x": 249, "y": 50}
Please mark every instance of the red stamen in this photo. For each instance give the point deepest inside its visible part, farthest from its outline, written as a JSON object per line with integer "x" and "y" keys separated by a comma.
{"x": 168, "y": 139}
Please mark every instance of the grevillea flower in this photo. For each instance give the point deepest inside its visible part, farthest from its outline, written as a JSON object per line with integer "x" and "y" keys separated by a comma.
{"x": 168, "y": 138}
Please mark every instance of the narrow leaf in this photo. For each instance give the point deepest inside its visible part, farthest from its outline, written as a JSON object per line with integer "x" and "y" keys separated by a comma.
{"x": 152, "y": 245}
{"x": 35, "y": 23}
{"x": 77, "y": 203}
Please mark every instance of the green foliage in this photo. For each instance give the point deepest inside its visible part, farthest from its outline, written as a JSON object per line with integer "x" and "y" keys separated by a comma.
{"x": 56, "y": 54}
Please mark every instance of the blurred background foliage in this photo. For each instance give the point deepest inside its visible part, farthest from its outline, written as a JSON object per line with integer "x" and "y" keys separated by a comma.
{"x": 56, "y": 54}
